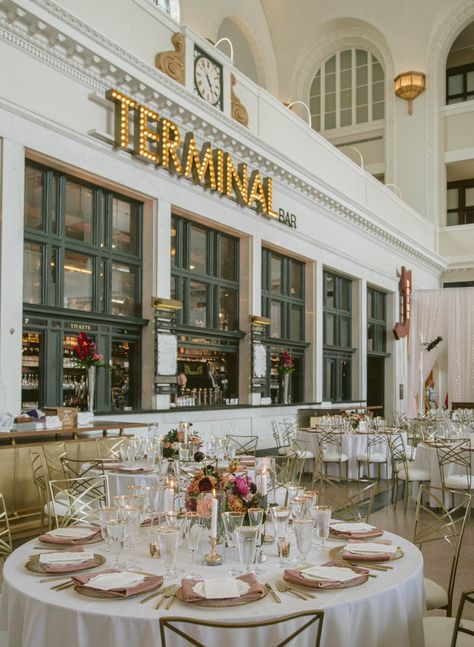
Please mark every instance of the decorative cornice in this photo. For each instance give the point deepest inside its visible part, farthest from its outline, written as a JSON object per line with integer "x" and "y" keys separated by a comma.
{"x": 98, "y": 70}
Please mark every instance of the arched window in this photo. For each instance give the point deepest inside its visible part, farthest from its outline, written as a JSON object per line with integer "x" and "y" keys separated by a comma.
{"x": 170, "y": 6}
{"x": 347, "y": 90}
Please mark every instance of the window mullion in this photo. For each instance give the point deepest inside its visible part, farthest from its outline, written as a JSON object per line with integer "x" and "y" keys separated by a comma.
{"x": 323, "y": 96}
{"x": 338, "y": 90}
{"x": 354, "y": 90}
{"x": 369, "y": 86}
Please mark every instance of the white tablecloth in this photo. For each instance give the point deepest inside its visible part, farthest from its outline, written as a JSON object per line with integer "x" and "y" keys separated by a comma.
{"x": 386, "y": 610}
{"x": 352, "y": 444}
{"x": 119, "y": 481}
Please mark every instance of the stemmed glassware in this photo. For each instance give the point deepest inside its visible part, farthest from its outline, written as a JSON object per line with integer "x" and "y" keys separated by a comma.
{"x": 193, "y": 534}
{"x": 132, "y": 515}
{"x": 232, "y": 521}
{"x": 303, "y": 529}
{"x": 116, "y": 529}
{"x": 256, "y": 519}
{"x": 106, "y": 513}
{"x": 281, "y": 519}
{"x": 247, "y": 542}
{"x": 168, "y": 536}
{"x": 322, "y": 518}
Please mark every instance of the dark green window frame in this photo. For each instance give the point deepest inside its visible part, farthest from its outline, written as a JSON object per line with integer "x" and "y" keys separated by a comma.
{"x": 337, "y": 333}
{"x": 54, "y": 245}
{"x": 376, "y": 322}
{"x": 463, "y": 71}
{"x": 182, "y": 276}
{"x": 284, "y": 298}
{"x": 462, "y": 214}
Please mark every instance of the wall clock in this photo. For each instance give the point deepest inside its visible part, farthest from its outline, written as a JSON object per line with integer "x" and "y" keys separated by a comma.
{"x": 208, "y": 78}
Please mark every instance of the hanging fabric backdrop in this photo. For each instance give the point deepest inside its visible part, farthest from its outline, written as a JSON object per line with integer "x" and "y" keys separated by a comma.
{"x": 448, "y": 313}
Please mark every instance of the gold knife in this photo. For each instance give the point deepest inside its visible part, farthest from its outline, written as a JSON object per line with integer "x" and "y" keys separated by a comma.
{"x": 171, "y": 597}
{"x": 166, "y": 594}
{"x": 272, "y": 592}
{"x": 153, "y": 595}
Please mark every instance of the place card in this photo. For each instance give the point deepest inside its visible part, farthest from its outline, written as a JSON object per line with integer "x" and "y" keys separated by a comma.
{"x": 65, "y": 557}
{"x": 331, "y": 573}
{"x": 221, "y": 587}
{"x": 342, "y": 526}
{"x": 367, "y": 547}
{"x": 108, "y": 581}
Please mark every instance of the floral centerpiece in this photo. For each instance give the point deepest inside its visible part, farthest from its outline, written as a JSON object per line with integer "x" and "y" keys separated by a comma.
{"x": 170, "y": 442}
{"x": 287, "y": 363}
{"x": 239, "y": 491}
{"x": 355, "y": 419}
{"x": 86, "y": 356}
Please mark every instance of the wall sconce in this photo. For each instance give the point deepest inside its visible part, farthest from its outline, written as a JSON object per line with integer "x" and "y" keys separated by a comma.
{"x": 260, "y": 321}
{"x": 300, "y": 103}
{"x": 408, "y": 86}
{"x": 166, "y": 304}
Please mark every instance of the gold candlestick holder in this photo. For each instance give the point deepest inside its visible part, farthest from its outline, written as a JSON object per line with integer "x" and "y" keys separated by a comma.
{"x": 213, "y": 558}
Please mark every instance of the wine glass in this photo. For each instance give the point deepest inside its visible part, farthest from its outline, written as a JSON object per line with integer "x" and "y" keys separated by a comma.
{"x": 281, "y": 519}
{"x": 132, "y": 515}
{"x": 232, "y": 521}
{"x": 297, "y": 506}
{"x": 322, "y": 518}
{"x": 116, "y": 529}
{"x": 247, "y": 542}
{"x": 256, "y": 519}
{"x": 106, "y": 513}
{"x": 193, "y": 534}
{"x": 303, "y": 529}
{"x": 168, "y": 536}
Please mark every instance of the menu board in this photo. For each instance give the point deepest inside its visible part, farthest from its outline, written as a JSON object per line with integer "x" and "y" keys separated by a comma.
{"x": 259, "y": 360}
{"x": 167, "y": 349}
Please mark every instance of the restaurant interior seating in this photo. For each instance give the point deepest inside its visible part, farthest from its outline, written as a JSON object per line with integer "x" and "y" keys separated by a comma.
{"x": 403, "y": 470}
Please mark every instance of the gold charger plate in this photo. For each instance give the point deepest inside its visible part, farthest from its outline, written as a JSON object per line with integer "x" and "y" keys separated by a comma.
{"x": 33, "y": 565}
{"x": 336, "y": 553}
{"x": 229, "y": 602}
{"x": 105, "y": 595}
{"x": 344, "y": 585}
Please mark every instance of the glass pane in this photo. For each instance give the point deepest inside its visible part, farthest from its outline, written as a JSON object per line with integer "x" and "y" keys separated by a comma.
{"x": 124, "y": 227}
{"x": 122, "y": 375}
{"x": 316, "y": 85}
{"x": 198, "y": 304}
{"x": 346, "y": 380}
{"x": 469, "y": 197}
{"x": 453, "y": 218}
{"x": 455, "y": 84}
{"x": 346, "y": 59}
{"x": 124, "y": 281}
{"x": 362, "y": 115}
{"x": 346, "y": 79}
{"x": 101, "y": 287}
{"x": 345, "y": 295}
{"x": 228, "y": 315}
{"x": 34, "y": 187}
{"x": 330, "y": 120}
{"x": 346, "y": 99}
{"x": 53, "y": 279}
{"x": 330, "y": 65}
{"x": 330, "y": 103}
{"x": 329, "y": 332}
{"x": 345, "y": 332}
{"x": 362, "y": 95}
{"x": 330, "y": 83}
{"x": 32, "y": 273}
{"x": 316, "y": 123}
{"x": 470, "y": 81}
{"x": 370, "y": 312}
{"x": 296, "y": 279}
{"x": 296, "y": 320}
{"x": 78, "y": 212}
{"x": 275, "y": 274}
{"x": 361, "y": 57}
{"x": 378, "y": 111}
{"x": 381, "y": 339}
{"x": 77, "y": 281}
{"x": 174, "y": 243}
{"x": 174, "y": 287}
{"x": 346, "y": 117}
{"x": 275, "y": 316}
{"x": 198, "y": 250}
{"x": 377, "y": 71}
{"x": 228, "y": 258}
{"x": 329, "y": 291}
{"x": 452, "y": 198}
{"x": 74, "y": 376}
{"x": 31, "y": 373}
{"x": 457, "y": 100}
{"x": 370, "y": 337}
{"x": 54, "y": 204}
{"x": 329, "y": 379}
{"x": 377, "y": 92}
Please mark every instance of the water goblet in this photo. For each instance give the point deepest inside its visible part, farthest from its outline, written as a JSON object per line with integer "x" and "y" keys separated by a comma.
{"x": 281, "y": 519}
{"x": 297, "y": 506}
{"x": 132, "y": 515}
{"x": 116, "y": 529}
{"x": 106, "y": 513}
{"x": 168, "y": 536}
{"x": 303, "y": 529}
{"x": 256, "y": 519}
{"x": 232, "y": 521}
{"x": 322, "y": 518}
{"x": 247, "y": 542}
{"x": 194, "y": 535}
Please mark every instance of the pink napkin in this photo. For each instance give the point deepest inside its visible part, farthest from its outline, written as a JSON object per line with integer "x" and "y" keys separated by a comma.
{"x": 363, "y": 534}
{"x": 256, "y": 591}
{"x": 70, "y": 568}
{"x": 133, "y": 470}
{"x": 149, "y": 583}
{"x": 110, "y": 465}
{"x": 70, "y": 541}
{"x": 368, "y": 557}
{"x": 295, "y": 577}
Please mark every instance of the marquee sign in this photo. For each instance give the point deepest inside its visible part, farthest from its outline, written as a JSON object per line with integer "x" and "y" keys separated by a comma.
{"x": 158, "y": 140}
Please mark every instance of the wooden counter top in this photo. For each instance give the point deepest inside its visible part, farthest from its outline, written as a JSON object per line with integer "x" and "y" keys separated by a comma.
{"x": 98, "y": 425}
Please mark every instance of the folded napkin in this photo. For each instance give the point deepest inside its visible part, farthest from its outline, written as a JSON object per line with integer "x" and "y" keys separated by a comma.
{"x": 110, "y": 465}
{"x": 136, "y": 468}
{"x": 118, "y": 584}
{"x": 74, "y": 535}
{"x": 366, "y": 552}
{"x": 67, "y": 561}
{"x": 362, "y": 530}
{"x": 255, "y": 592}
{"x": 332, "y": 576}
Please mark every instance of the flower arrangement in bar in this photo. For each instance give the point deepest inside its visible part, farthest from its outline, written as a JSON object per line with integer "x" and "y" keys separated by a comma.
{"x": 287, "y": 363}
{"x": 240, "y": 492}
{"x": 170, "y": 443}
{"x": 85, "y": 352}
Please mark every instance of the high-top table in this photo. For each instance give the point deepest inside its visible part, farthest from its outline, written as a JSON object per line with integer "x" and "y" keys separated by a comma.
{"x": 386, "y": 610}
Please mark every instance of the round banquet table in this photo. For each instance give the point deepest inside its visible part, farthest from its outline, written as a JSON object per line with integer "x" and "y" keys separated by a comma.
{"x": 386, "y": 610}
{"x": 119, "y": 482}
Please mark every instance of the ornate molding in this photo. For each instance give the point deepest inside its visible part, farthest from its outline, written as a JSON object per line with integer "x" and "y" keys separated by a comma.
{"x": 172, "y": 63}
{"x": 111, "y": 65}
{"x": 238, "y": 110}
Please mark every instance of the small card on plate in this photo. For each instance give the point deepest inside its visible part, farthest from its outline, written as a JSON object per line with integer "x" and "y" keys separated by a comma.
{"x": 367, "y": 547}
{"x": 65, "y": 557}
{"x": 332, "y": 573}
{"x": 342, "y": 526}
{"x": 71, "y": 533}
{"x": 108, "y": 581}
{"x": 221, "y": 587}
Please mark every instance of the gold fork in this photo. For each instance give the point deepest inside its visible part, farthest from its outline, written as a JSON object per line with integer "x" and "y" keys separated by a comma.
{"x": 283, "y": 587}
{"x": 154, "y": 595}
{"x": 168, "y": 593}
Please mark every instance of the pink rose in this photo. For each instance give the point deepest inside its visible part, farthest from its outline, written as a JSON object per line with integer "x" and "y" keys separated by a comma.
{"x": 241, "y": 486}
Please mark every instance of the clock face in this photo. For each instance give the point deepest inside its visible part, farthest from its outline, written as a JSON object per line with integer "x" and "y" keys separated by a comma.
{"x": 208, "y": 79}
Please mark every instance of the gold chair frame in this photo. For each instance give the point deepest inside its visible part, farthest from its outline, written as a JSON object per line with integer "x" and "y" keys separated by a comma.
{"x": 84, "y": 498}
{"x": 459, "y": 454}
{"x": 373, "y": 443}
{"x": 467, "y": 596}
{"x": 107, "y": 450}
{"x": 73, "y": 469}
{"x": 315, "y": 618}
{"x": 440, "y": 523}
{"x": 6, "y": 546}
{"x": 398, "y": 454}
{"x": 39, "y": 470}
{"x": 356, "y": 507}
{"x": 244, "y": 445}
{"x": 332, "y": 438}
{"x": 53, "y": 452}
